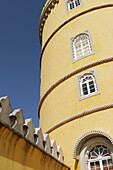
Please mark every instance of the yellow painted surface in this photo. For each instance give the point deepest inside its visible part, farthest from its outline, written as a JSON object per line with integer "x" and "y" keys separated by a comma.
{"x": 63, "y": 101}
{"x": 59, "y": 15}
{"x": 56, "y": 60}
{"x": 68, "y": 134}
{"x": 18, "y": 154}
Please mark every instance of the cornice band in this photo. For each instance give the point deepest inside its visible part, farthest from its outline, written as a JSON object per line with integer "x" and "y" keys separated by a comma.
{"x": 69, "y": 76}
{"x": 66, "y": 22}
{"x": 46, "y": 10}
{"x": 79, "y": 115}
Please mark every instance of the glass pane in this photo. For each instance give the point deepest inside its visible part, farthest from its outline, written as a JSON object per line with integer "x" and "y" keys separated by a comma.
{"x": 91, "y": 82}
{"x": 92, "y": 87}
{"x": 105, "y": 152}
{"x": 72, "y": 5}
{"x": 104, "y": 162}
{"x": 84, "y": 85}
{"x": 105, "y": 168}
{"x": 77, "y": 2}
{"x": 109, "y": 161}
{"x": 92, "y": 165}
{"x": 92, "y": 90}
{"x": 97, "y": 164}
{"x": 85, "y": 92}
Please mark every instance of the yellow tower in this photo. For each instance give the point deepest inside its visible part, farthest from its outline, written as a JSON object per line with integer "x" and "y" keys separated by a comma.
{"x": 76, "y": 104}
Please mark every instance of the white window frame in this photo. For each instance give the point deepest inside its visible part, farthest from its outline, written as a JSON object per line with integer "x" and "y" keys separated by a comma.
{"x": 79, "y": 79}
{"x": 90, "y": 144}
{"x": 68, "y": 2}
{"x": 73, "y": 49}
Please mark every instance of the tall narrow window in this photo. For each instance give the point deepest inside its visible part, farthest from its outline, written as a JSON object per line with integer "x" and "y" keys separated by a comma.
{"x": 81, "y": 46}
{"x": 71, "y": 4}
{"x": 87, "y": 84}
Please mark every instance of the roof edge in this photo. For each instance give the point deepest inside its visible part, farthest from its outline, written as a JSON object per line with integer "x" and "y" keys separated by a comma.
{"x": 45, "y": 12}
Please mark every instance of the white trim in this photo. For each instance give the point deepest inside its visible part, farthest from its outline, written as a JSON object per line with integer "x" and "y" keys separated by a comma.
{"x": 78, "y": 78}
{"x": 86, "y": 137}
{"x": 73, "y": 52}
{"x": 90, "y": 144}
{"x": 67, "y": 5}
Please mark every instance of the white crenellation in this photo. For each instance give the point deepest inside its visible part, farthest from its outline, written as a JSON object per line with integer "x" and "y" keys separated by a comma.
{"x": 14, "y": 120}
{"x": 60, "y": 154}
{"x": 17, "y": 120}
{"x": 29, "y": 130}
{"x": 5, "y": 109}
{"x": 38, "y": 137}
{"x": 47, "y": 144}
{"x": 53, "y": 148}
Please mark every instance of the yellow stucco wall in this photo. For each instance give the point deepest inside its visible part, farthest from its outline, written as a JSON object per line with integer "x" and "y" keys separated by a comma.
{"x": 18, "y": 154}
{"x": 63, "y": 101}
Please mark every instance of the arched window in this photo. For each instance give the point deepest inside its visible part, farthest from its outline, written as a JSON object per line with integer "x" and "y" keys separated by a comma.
{"x": 81, "y": 46}
{"x": 100, "y": 158}
{"x": 94, "y": 150}
{"x": 87, "y": 84}
{"x": 71, "y": 4}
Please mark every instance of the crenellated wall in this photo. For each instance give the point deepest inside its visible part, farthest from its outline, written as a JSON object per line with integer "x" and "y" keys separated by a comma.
{"x": 22, "y": 145}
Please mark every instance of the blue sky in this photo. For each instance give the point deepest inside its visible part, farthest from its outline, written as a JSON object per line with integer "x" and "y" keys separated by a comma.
{"x": 20, "y": 54}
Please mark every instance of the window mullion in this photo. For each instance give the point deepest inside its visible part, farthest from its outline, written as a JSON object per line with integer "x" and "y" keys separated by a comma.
{"x": 89, "y": 166}
{"x": 88, "y": 87}
{"x": 89, "y": 46}
{"x": 101, "y": 166}
{"x": 82, "y": 49}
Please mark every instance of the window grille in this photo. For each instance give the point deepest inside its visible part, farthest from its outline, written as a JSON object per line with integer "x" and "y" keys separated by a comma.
{"x": 81, "y": 46}
{"x": 100, "y": 158}
{"x": 87, "y": 84}
{"x": 71, "y": 4}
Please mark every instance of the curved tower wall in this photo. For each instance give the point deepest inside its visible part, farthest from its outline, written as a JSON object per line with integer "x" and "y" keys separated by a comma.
{"x": 59, "y": 90}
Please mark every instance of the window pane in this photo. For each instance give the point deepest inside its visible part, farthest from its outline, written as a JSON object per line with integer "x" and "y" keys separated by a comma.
{"x": 105, "y": 168}
{"x": 97, "y": 164}
{"x": 104, "y": 162}
{"x": 77, "y": 2}
{"x": 92, "y": 165}
{"x": 92, "y": 90}
{"x": 109, "y": 161}
{"x": 85, "y": 90}
{"x": 72, "y": 5}
{"x": 91, "y": 86}
{"x": 91, "y": 83}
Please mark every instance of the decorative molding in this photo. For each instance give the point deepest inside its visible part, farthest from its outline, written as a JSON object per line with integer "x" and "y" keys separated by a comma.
{"x": 77, "y": 38}
{"x": 88, "y": 144}
{"x": 25, "y": 129}
{"x": 79, "y": 115}
{"x": 69, "y": 76}
{"x": 87, "y": 136}
{"x": 45, "y": 12}
{"x": 79, "y": 86}
{"x": 41, "y": 25}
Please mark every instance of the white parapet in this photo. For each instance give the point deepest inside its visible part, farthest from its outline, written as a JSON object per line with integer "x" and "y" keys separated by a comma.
{"x": 17, "y": 120}
{"x": 46, "y": 143}
{"x": 38, "y": 137}
{"x": 5, "y": 109}
{"x": 60, "y": 154}
{"x": 29, "y": 130}
{"x": 53, "y": 148}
